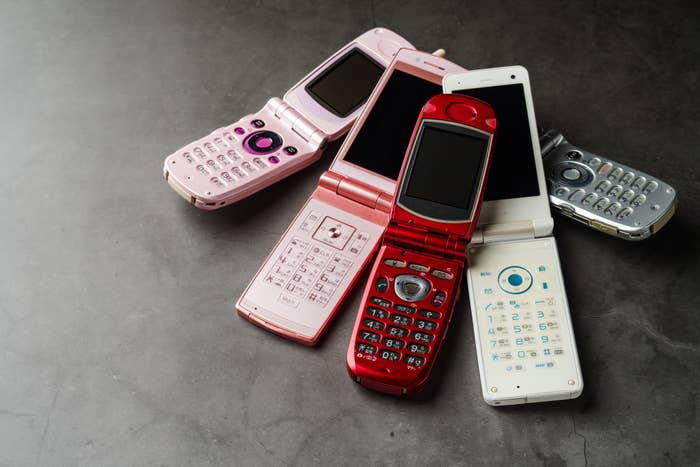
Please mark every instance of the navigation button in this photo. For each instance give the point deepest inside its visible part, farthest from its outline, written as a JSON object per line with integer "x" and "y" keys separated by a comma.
{"x": 442, "y": 274}
{"x": 571, "y": 174}
{"x": 515, "y": 279}
{"x": 418, "y": 267}
{"x": 410, "y": 287}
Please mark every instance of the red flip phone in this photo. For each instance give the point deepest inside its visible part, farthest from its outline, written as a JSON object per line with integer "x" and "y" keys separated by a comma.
{"x": 414, "y": 283}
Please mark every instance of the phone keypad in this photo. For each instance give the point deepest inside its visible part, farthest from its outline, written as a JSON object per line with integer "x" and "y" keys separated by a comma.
{"x": 311, "y": 271}
{"x": 408, "y": 330}
{"x": 615, "y": 193}
{"x": 520, "y": 331}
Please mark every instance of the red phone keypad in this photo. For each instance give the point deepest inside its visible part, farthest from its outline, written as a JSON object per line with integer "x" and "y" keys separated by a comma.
{"x": 406, "y": 330}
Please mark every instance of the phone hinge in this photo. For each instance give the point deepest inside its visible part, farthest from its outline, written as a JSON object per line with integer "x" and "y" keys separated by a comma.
{"x": 356, "y": 191}
{"x": 432, "y": 242}
{"x": 504, "y": 232}
{"x": 291, "y": 118}
{"x": 550, "y": 140}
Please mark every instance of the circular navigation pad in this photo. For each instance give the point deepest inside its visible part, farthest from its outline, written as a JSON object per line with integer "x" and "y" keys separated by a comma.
{"x": 262, "y": 142}
{"x": 573, "y": 173}
{"x": 515, "y": 280}
{"x": 411, "y": 288}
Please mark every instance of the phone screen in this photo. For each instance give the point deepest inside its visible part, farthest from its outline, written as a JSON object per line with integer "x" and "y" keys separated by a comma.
{"x": 346, "y": 84}
{"x": 447, "y": 166}
{"x": 513, "y": 173}
{"x": 381, "y": 143}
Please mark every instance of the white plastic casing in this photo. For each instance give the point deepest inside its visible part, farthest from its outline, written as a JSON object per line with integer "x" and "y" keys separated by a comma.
{"x": 514, "y": 239}
{"x": 524, "y": 337}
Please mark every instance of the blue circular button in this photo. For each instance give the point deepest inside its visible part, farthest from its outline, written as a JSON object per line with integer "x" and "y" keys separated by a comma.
{"x": 515, "y": 280}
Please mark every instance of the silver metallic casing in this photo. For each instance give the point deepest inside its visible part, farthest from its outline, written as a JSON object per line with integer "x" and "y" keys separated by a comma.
{"x": 588, "y": 187}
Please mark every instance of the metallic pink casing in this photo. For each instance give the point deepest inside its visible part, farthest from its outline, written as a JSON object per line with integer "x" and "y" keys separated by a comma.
{"x": 348, "y": 195}
{"x": 217, "y": 170}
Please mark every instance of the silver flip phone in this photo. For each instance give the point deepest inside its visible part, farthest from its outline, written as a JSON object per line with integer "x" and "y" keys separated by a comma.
{"x": 604, "y": 194}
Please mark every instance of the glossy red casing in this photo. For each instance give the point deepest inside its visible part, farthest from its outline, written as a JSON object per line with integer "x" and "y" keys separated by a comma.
{"x": 425, "y": 246}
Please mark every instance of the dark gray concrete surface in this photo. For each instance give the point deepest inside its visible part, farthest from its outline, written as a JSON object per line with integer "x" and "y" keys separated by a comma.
{"x": 118, "y": 340}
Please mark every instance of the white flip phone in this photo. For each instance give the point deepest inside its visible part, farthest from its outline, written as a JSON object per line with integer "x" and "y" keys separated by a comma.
{"x": 522, "y": 327}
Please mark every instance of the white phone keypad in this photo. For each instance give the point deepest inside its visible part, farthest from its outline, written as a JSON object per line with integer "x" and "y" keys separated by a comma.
{"x": 521, "y": 319}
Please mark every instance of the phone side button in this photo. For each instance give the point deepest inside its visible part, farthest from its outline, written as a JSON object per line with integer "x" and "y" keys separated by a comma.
{"x": 603, "y": 227}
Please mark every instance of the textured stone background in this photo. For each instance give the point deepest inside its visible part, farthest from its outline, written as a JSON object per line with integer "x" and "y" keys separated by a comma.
{"x": 118, "y": 340}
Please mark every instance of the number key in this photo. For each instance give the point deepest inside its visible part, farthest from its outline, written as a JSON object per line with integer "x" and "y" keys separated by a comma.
{"x": 401, "y": 319}
{"x": 369, "y": 336}
{"x": 372, "y": 324}
{"x": 418, "y": 348}
{"x": 377, "y": 312}
{"x": 393, "y": 343}
{"x": 389, "y": 355}
{"x": 397, "y": 332}
{"x": 422, "y": 336}
{"x": 426, "y": 325}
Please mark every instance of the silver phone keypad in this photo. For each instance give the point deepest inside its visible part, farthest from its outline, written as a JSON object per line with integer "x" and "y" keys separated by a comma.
{"x": 610, "y": 190}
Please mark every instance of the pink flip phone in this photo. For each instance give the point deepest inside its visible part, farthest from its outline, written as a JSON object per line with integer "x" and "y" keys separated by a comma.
{"x": 287, "y": 134}
{"x": 304, "y": 280}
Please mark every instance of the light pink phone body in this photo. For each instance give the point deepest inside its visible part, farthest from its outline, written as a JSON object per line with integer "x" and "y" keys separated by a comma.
{"x": 287, "y": 134}
{"x": 304, "y": 280}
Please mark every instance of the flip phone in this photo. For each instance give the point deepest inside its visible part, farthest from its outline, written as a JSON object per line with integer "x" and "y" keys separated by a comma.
{"x": 414, "y": 283}
{"x": 287, "y": 134}
{"x": 302, "y": 283}
{"x": 603, "y": 194}
{"x": 523, "y": 333}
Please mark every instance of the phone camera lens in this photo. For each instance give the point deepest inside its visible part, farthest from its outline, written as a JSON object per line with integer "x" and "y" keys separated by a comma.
{"x": 512, "y": 76}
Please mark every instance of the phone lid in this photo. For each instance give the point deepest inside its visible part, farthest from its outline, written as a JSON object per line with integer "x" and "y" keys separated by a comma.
{"x": 510, "y": 212}
{"x": 333, "y": 95}
{"x": 412, "y": 63}
{"x": 442, "y": 181}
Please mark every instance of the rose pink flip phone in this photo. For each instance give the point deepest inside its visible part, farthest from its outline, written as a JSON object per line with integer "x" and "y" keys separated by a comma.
{"x": 287, "y": 134}
{"x": 302, "y": 283}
